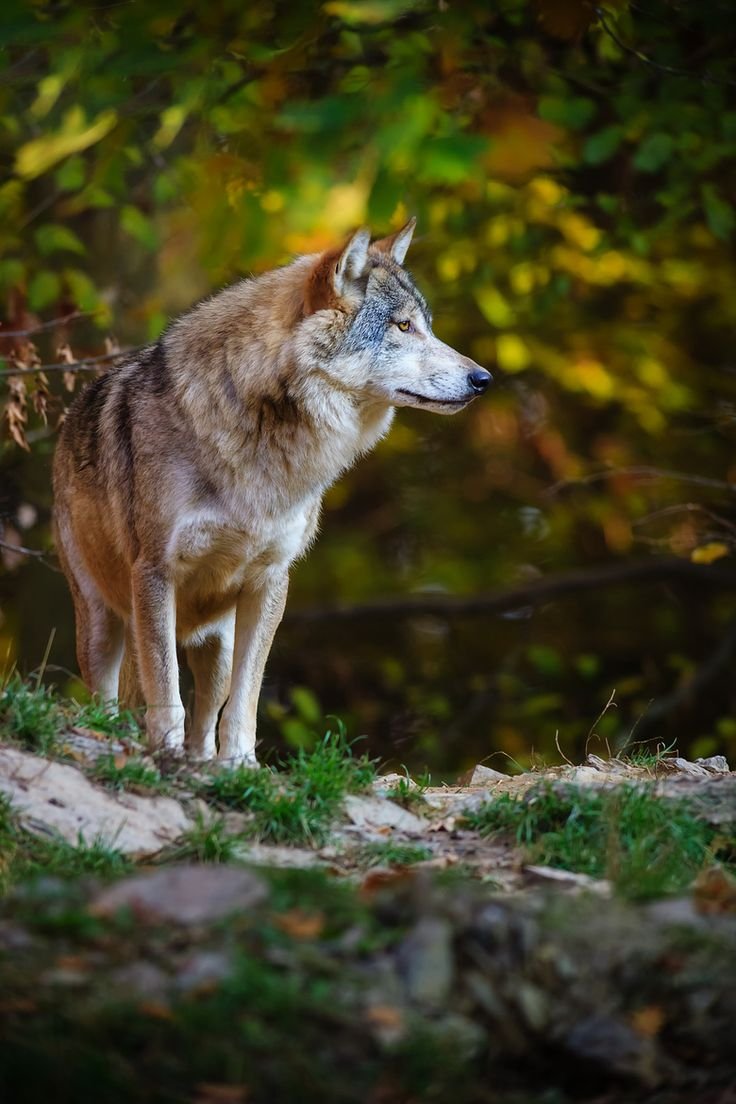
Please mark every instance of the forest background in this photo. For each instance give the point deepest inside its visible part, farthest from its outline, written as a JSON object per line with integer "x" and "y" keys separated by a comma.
{"x": 487, "y": 583}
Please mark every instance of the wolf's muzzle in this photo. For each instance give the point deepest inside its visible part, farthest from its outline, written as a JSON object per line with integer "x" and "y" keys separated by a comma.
{"x": 478, "y": 380}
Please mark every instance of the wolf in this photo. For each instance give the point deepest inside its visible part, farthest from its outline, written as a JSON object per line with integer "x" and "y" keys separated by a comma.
{"x": 189, "y": 477}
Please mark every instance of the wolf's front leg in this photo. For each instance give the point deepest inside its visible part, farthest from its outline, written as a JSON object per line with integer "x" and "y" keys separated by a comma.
{"x": 257, "y": 617}
{"x": 154, "y": 621}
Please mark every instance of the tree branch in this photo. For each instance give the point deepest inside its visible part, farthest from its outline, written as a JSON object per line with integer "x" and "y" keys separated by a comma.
{"x": 641, "y": 471}
{"x": 74, "y": 365}
{"x": 650, "y": 61}
{"x": 72, "y": 317}
{"x": 656, "y": 570}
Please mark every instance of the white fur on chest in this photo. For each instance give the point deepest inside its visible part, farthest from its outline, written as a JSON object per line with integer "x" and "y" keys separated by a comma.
{"x": 235, "y": 550}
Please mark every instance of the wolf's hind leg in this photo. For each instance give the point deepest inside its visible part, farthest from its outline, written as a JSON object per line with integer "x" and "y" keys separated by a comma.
{"x": 210, "y": 663}
{"x": 100, "y": 636}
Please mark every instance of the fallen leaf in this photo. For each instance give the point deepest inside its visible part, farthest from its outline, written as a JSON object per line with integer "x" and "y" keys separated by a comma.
{"x": 156, "y": 1010}
{"x": 210, "y": 1092}
{"x": 376, "y": 880}
{"x": 648, "y": 1021}
{"x": 709, "y": 553}
{"x": 715, "y": 891}
{"x": 299, "y": 924}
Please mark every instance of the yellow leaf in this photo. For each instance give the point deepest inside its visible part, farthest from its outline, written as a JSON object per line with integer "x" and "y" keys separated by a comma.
{"x": 709, "y": 553}
{"x": 37, "y": 156}
{"x": 648, "y": 1021}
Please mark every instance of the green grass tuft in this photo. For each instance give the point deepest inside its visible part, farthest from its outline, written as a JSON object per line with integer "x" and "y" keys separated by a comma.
{"x": 32, "y": 715}
{"x": 645, "y": 845}
{"x": 208, "y": 842}
{"x": 299, "y": 802}
{"x": 133, "y": 773}
{"x": 393, "y": 854}
{"x": 35, "y": 716}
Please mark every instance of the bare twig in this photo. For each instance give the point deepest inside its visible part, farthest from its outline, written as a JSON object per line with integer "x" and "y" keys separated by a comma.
{"x": 658, "y": 569}
{"x": 63, "y": 321}
{"x": 685, "y": 508}
{"x": 641, "y": 471}
{"x": 34, "y": 553}
{"x": 72, "y": 366}
{"x": 646, "y": 60}
{"x": 21, "y": 550}
{"x": 562, "y": 754}
{"x": 592, "y": 732}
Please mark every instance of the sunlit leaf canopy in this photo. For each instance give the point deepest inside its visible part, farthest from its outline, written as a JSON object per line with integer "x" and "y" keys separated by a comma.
{"x": 571, "y": 169}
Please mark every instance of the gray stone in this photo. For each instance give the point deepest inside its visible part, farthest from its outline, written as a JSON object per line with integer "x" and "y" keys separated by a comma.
{"x": 716, "y": 764}
{"x": 481, "y": 776}
{"x": 56, "y": 798}
{"x": 373, "y": 813}
{"x": 186, "y": 894}
{"x": 426, "y": 962}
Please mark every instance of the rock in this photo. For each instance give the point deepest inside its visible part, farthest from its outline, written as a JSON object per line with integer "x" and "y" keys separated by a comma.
{"x": 481, "y": 776}
{"x": 426, "y": 962}
{"x": 383, "y": 785}
{"x": 203, "y": 971}
{"x": 593, "y": 776}
{"x": 56, "y": 798}
{"x": 87, "y": 746}
{"x": 716, "y": 764}
{"x": 374, "y": 813}
{"x": 186, "y": 894}
{"x": 686, "y": 767}
{"x": 550, "y": 875}
{"x": 273, "y": 854}
{"x": 612, "y": 1045}
{"x": 141, "y": 979}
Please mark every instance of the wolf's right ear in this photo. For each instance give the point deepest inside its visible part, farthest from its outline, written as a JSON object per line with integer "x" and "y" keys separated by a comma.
{"x": 397, "y": 245}
{"x": 338, "y": 276}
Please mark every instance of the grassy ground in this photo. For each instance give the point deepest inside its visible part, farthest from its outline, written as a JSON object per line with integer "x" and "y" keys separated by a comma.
{"x": 385, "y": 987}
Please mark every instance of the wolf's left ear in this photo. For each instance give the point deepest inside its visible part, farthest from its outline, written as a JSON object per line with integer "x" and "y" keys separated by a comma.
{"x": 397, "y": 245}
{"x": 350, "y": 265}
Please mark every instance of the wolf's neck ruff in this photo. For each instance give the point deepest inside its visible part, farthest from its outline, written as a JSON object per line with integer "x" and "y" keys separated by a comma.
{"x": 189, "y": 478}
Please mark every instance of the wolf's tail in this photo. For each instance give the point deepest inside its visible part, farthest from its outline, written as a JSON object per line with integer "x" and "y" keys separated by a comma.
{"x": 130, "y": 695}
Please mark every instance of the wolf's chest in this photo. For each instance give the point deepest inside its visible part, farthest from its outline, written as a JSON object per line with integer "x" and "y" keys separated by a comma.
{"x": 224, "y": 550}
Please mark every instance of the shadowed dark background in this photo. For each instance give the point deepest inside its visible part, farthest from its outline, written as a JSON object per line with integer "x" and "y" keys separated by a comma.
{"x": 570, "y": 172}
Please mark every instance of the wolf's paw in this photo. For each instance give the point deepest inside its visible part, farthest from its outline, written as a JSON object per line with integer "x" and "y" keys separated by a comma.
{"x": 165, "y": 730}
{"x": 239, "y": 759}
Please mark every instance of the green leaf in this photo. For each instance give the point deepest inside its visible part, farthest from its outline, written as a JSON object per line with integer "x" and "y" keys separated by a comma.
{"x": 70, "y": 176}
{"x": 53, "y": 238}
{"x": 12, "y": 272}
{"x": 82, "y": 289}
{"x": 654, "y": 152}
{"x": 602, "y": 146}
{"x": 306, "y": 704}
{"x": 572, "y": 112}
{"x": 44, "y": 289}
{"x": 450, "y": 160}
{"x": 135, "y": 223}
{"x": 719, "y": 214}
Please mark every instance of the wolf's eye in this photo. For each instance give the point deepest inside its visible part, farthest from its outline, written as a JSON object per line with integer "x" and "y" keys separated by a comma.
{"x": 405, "y": 326}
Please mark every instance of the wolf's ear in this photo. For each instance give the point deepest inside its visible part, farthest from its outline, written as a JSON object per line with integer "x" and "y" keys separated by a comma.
{"x": 350, "y": 265}
{"x": 397, "y": 245}
{"x": 338, "y": 276}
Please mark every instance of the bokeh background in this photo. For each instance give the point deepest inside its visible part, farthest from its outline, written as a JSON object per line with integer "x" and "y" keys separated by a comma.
{"x": 572, "y": 170}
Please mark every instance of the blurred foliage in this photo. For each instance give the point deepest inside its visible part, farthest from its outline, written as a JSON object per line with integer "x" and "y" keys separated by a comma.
{"x": 571, "y": 168}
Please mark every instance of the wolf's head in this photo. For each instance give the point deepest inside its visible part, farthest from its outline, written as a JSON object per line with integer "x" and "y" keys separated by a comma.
{"x": 381, "y": 340}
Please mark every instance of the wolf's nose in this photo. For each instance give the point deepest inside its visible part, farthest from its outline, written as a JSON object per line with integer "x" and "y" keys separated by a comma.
{"x": 479, "y": 380}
